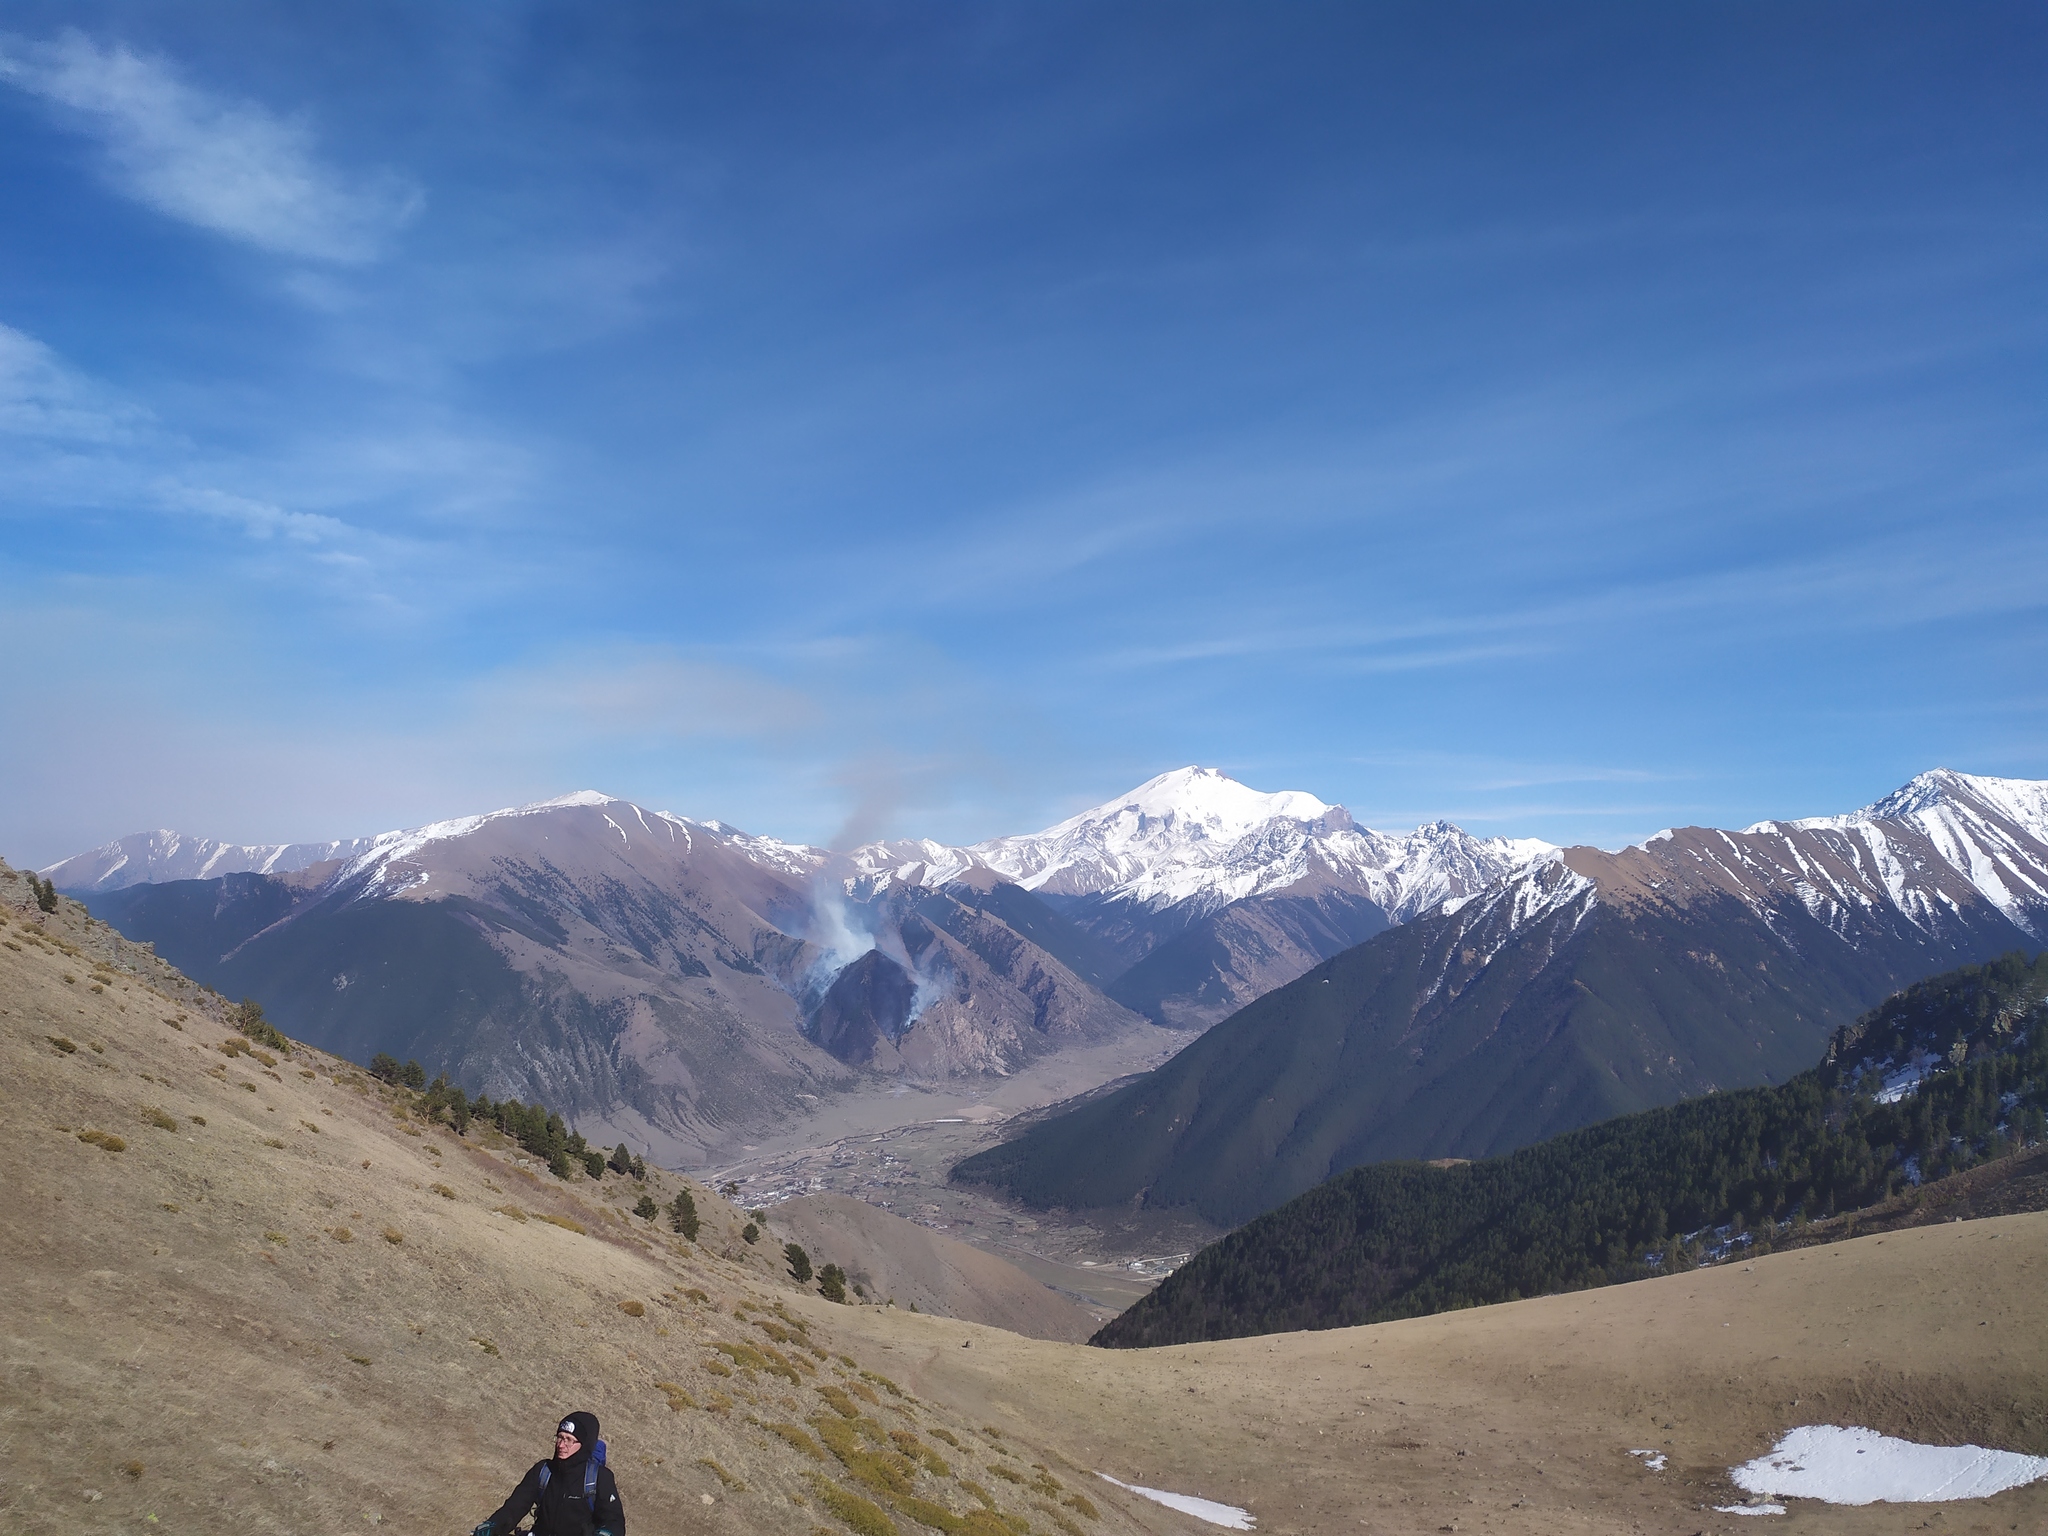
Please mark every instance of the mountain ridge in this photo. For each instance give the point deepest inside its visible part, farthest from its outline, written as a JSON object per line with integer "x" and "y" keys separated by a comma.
{"x": 1586, "y": 986}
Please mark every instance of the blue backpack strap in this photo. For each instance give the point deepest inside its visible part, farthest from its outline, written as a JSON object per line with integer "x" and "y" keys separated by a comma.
{"x": 545, "y": 1469}
{"x": 590, "y": 1475}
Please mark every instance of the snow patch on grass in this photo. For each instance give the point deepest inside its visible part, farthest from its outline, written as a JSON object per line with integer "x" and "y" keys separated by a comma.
{"x": 1229, "y": 1516}
{"x": 1860, "y": 1466}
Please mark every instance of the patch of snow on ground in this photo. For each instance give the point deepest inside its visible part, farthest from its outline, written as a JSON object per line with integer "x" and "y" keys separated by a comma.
{"x": 1654, "y": 1460}
{"x": 1229, "y": 1516}
{"x": 1749, "y": 1509}
{"x": 1860, "y": 1466}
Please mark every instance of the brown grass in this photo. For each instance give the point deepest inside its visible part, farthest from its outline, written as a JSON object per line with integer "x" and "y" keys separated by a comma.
{"x": 393, "y": 1236}
{"x": 105, "y": 1140}
{"x": 633, "y": 1308}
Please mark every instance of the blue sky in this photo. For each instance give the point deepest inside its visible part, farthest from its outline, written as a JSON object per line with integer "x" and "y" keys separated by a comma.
{"x": 846, "y": 419}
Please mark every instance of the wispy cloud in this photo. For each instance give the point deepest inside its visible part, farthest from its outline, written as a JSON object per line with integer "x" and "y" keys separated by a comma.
{"x": 42, "y": 397}
{"x": 233, "y": 167}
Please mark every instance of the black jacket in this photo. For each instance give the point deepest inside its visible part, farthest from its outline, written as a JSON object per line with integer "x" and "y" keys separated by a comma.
{"x": 561, "y": 1508}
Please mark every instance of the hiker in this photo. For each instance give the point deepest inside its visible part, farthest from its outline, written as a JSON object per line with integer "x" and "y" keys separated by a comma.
{"x": 571, "y": 1495}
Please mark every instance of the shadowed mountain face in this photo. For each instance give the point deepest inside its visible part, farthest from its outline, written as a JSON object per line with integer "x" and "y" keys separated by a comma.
{"x": 1588, "y": 987}
{"x": 867, "y": 1006}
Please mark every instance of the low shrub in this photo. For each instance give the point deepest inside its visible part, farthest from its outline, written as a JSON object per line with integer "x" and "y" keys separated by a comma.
{"x": 62, "y": 1044}
{"x": 1078, "y": 1502}
{"x": 342, "y": 1235}
{"x": 564, "y": 1223}
{"x": 796, "y": 1437}
{"x": 156, "y": 1117}
{"x": 393, "y": 1236}
{"x": 513, "y": 1211}
{"x": 278, "y": 1238}
{"x": 859, "y": 1515}
{"x": 106, "y": 1141}
{"x": 678, "y": 1398}
{"x": 633, "y": 1308}
{"x": 483, "y": 1344}
{"x": 724, "y": 1476}
{"x": 442, "y": 1190}
{"x": 197, "y": 1119}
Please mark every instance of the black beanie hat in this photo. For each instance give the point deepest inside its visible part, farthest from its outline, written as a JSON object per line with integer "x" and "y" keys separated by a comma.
{"x": 583, "y": 1426}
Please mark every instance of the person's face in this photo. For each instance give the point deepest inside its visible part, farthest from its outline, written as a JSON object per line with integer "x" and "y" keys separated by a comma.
{"x": 566, "y": 1445}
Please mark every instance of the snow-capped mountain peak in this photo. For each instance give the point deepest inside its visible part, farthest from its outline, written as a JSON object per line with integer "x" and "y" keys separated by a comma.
{"x": 1203, "y": 800}
{"x": 1197, "y": 835}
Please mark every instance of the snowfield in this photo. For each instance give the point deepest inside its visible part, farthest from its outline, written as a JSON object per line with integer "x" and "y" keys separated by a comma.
{"x": 1229, "y": 1516}
{"x": 1860, "y": 1466}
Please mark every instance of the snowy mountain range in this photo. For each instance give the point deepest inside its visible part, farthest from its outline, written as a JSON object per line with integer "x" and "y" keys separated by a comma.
{"x": 1583, "y": 985}
{"x": 1220, "y": 892}
{"x": 1190, "y": 836}
{"x": 682, "y": 979}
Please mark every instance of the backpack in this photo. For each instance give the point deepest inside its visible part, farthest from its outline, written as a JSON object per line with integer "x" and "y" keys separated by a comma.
{"x": 590, "y": 1466}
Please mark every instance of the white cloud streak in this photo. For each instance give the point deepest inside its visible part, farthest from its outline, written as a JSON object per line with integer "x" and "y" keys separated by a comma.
{"x": 233, "y": 167}
{"x": 42, "y": 397}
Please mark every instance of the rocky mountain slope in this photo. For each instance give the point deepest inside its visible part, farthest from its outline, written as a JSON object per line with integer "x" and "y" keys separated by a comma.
{"x": 1589, "y": 985}
{"x": 650, "y": 975}
{"x": 680, "y": 982}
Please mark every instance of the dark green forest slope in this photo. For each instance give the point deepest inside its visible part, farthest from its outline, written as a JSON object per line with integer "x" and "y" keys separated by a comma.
{"x": 1962, "y": 1060}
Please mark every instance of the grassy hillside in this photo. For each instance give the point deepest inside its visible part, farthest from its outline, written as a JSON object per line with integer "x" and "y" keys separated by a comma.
{"x": 256, "y": 1287}
{"x": 1644, "y": 1193}
{"x": 1463, "y": 1035}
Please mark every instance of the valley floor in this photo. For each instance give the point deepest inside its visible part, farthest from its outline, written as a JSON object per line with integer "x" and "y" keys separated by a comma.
{"x": 894, "y": 1145}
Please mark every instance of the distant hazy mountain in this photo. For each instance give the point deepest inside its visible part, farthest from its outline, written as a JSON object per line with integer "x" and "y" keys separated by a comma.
{"x": 1585, "y": 986}
{"x": 151, "y": 858}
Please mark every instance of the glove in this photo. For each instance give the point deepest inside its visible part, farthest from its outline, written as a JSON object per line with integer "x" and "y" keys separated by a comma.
{"x": 482, "y": 1530}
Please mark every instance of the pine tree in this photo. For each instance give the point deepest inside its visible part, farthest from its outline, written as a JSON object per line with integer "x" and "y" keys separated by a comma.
{"x": 832, "y": 1283}
{"x": 799, "y": 1263}
{"x": 682, "y": 1214}
{"x": 646, "y": 1209}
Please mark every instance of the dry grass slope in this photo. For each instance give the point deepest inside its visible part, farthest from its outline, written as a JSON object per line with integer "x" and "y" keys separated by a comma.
{"x": 190, "y": 1337}
{"x": 200, "y": 1336}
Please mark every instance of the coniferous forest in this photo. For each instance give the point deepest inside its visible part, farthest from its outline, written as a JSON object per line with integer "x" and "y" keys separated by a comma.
{"x": 1943, "y": 1076}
